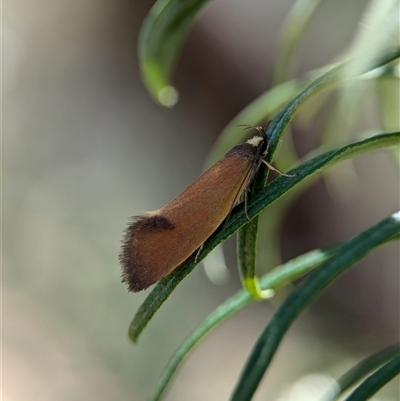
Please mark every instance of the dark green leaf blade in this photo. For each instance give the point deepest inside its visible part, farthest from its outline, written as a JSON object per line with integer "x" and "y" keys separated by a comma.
{"x": 349, "y": 253}
{"x": 361, "y": 370}
{"x": 367, "y": 365}
{"x": 376, "y": 381}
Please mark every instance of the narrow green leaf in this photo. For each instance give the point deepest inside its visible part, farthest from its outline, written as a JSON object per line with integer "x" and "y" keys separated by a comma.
{"x": 388, "y": 90}
{"x": 160, "y": 42}
{"x": 292, "y": 32}
{"x": 257, "y": 203}
{"x": 246, "y": 250}
{"x": 347, "y": 254}
{"x": 280, "y": 123}
{"x": 275, "y": 279}
{"x": 362, "y": 369}
{"x": 376, "y": 381}
{"x": 314, "y": 165}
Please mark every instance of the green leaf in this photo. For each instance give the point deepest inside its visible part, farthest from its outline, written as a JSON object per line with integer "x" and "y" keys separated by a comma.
{"x": 292, "y": 32}
{"x": 275, "y": 279}
{"x": 280, "y": 123}
{"x": 388, "y": 96}
{"x": 257, "y": 203}
{"x": 246, "y": 250}
{"x": 347, "y": 254}
{"x": 160, "y": 42}
{"x": 376, "y": 381}
{"x": 362, "y": 369}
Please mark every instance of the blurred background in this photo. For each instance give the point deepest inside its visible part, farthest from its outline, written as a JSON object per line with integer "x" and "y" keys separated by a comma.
{"x": 85, "y": 147}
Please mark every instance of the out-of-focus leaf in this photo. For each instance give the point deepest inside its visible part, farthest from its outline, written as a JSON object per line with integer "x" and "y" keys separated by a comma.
{"x": 160, "y": 42}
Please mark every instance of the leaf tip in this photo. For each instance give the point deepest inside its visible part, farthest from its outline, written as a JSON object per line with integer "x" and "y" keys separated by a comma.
{"x": 168, "y": 96}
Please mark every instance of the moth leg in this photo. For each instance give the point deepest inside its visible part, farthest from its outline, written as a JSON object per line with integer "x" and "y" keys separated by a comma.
{"x": 198, "y": 252}
{"x": 271, "y": 167}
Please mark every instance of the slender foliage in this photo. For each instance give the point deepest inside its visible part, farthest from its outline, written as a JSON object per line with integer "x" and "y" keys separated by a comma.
{"x": 160, "y": 43}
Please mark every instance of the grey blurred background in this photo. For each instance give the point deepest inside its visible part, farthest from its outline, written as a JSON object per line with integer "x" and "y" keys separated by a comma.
{"x": 84, "y": 148}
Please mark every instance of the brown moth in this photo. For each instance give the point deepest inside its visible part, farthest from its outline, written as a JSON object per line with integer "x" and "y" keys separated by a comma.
{"x": 157, "y": 242}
